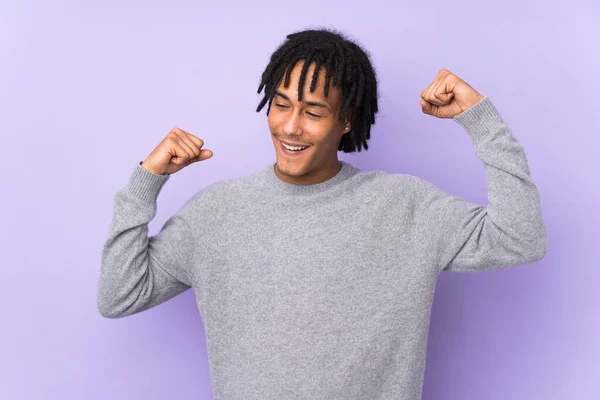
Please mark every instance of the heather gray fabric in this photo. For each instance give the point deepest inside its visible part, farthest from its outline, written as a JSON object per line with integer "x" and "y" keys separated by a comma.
{"x": 321, "y": 291}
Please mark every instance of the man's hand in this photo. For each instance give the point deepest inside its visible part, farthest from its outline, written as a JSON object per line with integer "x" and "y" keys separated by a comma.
{"x": 448, "y": 96}
{"x": 177, "y": 150}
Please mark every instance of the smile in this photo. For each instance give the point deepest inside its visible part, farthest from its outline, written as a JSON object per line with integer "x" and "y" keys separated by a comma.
{"x": 292, "y": 152}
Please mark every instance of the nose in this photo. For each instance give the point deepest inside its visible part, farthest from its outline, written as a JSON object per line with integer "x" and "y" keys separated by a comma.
{"x": 292, "y": 125}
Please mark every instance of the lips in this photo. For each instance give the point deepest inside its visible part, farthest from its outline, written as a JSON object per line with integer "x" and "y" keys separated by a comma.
{"x": 291, "y": 152}
{"x": 294, "y": 144}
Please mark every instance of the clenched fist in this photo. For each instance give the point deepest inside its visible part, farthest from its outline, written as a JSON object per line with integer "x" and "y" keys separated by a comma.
{"x": 448, "y": 96}
{"x": 177, "y": 150}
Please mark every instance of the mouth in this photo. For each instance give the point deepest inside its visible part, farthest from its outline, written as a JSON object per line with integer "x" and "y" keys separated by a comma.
{"x": 292, "y": 153}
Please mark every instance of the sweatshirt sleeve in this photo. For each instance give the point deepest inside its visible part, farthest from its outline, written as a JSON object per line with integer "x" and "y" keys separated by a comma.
{"x": 139, "y": 272}
{"x": 509, "y": 231}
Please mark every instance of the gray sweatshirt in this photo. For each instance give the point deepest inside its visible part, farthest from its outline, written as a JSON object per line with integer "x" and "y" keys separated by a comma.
{"x": 320, "y": 291}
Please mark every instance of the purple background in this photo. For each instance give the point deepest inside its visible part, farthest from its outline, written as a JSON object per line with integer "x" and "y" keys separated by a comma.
{"x": 88, "y": 89}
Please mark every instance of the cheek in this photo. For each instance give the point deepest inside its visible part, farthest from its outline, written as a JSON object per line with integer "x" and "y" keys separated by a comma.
{"x": 273, "y": 120}
{"x": 272, "y": 127}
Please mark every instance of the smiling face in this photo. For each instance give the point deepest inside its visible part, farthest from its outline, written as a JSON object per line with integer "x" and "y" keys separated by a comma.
{"x": 312, "y": 122}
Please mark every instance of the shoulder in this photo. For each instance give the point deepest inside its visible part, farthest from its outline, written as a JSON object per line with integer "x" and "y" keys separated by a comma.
{"x": 208, "y": 205}
{"x": 398, "y": 183}
{"x": 392, "y": 191}
{"x": 220, "y": 195}
{"x": 410, "y": 193}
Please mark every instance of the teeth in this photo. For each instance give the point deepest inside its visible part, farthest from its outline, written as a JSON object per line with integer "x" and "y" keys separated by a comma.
{"x": 294, "y": 148}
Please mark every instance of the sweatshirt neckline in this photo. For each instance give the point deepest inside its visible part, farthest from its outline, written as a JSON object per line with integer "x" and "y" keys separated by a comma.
{"x": 282, "y": 187}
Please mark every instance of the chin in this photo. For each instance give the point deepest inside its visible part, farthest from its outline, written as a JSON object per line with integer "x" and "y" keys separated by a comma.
{"x": 295, "y": 168}
{"x": 291, "y": 168}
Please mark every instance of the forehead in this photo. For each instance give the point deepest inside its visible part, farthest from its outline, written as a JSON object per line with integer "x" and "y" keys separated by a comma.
{"x": 319, "y": 91}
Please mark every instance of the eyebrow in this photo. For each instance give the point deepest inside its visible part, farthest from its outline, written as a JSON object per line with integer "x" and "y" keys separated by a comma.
{"x": 310, "y": 103}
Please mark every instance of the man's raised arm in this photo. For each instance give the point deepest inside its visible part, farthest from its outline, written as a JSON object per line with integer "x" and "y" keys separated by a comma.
{"x": 508, "y": 231}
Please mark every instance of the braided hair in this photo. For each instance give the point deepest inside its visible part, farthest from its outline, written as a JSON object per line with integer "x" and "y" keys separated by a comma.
{"x": 346, "y": 64}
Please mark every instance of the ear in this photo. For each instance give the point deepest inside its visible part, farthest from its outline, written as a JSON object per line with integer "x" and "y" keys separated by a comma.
{"x": 348, "y": 118}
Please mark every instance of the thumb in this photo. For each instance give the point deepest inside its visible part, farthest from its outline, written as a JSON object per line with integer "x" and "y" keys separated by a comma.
{"x": 204, "y": 154}
{"x": 427, "y": 107}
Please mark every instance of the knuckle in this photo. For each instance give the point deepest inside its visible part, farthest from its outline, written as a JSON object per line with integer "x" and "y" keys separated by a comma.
{"x": 196, "y": 140}
{"x": 170, "y": 139}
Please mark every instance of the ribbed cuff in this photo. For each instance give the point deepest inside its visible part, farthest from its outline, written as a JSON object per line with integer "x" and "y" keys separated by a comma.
{"x": 480, "y": 119}
{"x": 146, "y": 185}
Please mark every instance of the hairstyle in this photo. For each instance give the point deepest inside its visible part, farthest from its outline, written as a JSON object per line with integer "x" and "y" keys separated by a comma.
{"x": 346, "y": 64}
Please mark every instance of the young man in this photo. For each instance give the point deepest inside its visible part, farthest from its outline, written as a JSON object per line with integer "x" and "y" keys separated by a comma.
{"x": 314, "y": 279}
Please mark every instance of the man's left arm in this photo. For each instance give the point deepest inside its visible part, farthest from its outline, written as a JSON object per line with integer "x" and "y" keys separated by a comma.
{"x": 508, "y": 231}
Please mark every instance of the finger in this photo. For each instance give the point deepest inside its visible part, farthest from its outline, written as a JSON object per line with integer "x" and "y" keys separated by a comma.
{"x": 427, "y": 107}
{"x": 197, "y": 141}
{"x": 434, "y": 93}
{"x": 189, "y": 150}
{"x": 442, "y": 97}
{"x": 204, "y": 154}
{"x": 182, "y": 151}
{"x": 432, "y": 109}
{"x": 443, "y": 93}
{"x": 439, "y": 95}
{"x": 425, "y": 92}
{"x": 433, "y": 96}
{"x": 430, "y": 96}
{"x": 178, "y": 152}
{"x": 185, "y": 138}
{"x": 190, "y": 139}
{"x": 180, "y": 156}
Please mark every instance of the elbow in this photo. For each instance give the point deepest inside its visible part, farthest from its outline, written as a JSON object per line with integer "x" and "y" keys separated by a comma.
{"x": 540, "y": 243}
{"x": 108, "y": 312}
{"x": 532, "y": 243}
{"x": 112, "y": 307}
{"x": 539, "y": 249}
{"x": 106, "y": 307}
{"x": 535, "y": 249}
{"x": 523, "y": 249}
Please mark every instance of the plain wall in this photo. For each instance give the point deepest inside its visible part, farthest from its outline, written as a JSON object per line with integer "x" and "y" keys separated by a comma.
{"x": 88, "y": 89}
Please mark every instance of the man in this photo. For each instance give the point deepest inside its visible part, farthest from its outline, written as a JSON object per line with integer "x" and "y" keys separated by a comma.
{"x": 314, "y": 279}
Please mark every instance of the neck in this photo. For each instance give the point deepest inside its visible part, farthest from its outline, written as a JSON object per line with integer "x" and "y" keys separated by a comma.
{"x": 288, "y": 175}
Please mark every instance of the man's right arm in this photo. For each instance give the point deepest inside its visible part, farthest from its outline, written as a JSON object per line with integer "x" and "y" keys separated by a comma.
{"x": 139, "y": 272}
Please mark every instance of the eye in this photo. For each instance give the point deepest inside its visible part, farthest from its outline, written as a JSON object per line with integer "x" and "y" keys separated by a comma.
{"x": 313, "y": 115}
{"x": 281, "y": 105}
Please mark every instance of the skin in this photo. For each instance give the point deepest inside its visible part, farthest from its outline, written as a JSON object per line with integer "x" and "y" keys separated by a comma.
{"x": 448, "y": 96}
{"x": 296, "y": 121}
{"x": 318, "y": 126}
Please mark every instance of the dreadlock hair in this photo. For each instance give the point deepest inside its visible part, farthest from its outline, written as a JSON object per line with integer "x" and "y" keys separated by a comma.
{"x": 344, "y": 62}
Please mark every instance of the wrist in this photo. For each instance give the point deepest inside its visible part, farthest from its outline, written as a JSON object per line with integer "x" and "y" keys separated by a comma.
{"x": 153, "y": 171}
